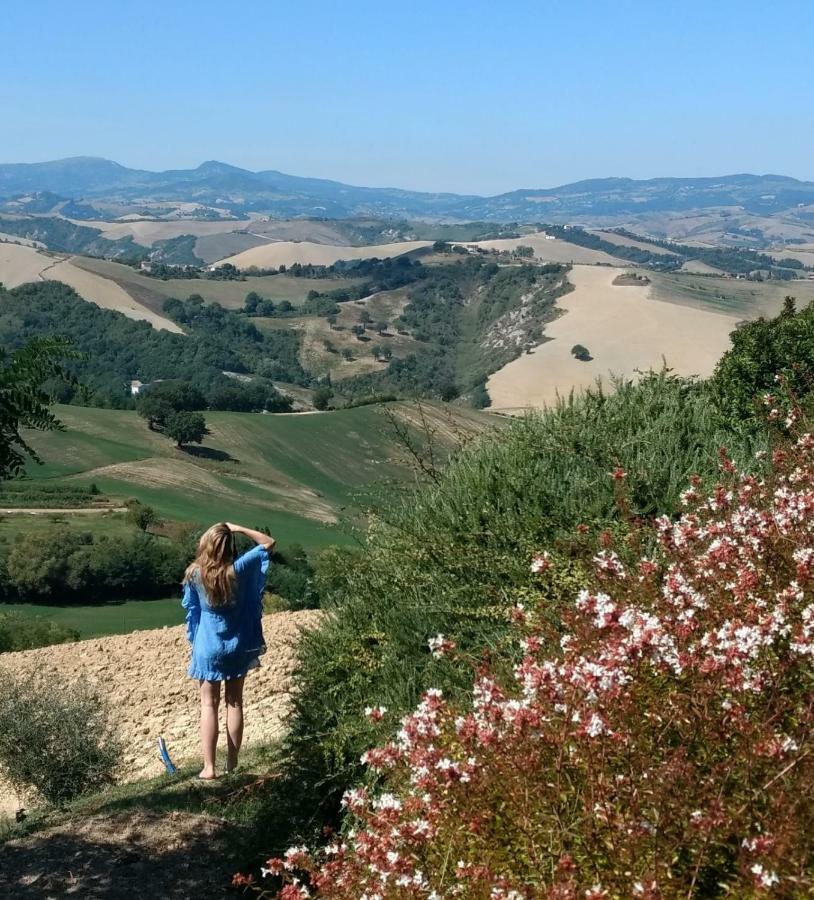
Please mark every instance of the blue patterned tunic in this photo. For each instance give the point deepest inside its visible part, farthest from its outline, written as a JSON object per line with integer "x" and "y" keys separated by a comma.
{"x": 227, "y": 640}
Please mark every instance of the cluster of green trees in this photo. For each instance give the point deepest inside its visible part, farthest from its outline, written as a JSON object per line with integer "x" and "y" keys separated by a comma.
{"x": 729, "y": 259}
{"x": 64, "y": 565}
{"x": 23, "y": 492}
{"x": 763, "y": 351}
{"x": 451, "y": 310}
{"x": 316, "y": 304}
{"x": 582, "y": 238}
{"x": 173, "y": 407}
{"x": 113, "y": 349}
{"x": 64, "y": 236}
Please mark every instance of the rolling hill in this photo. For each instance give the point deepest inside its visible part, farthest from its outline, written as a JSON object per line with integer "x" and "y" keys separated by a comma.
{"x": 87, "y": 182}
{"x": 308, "y": 476}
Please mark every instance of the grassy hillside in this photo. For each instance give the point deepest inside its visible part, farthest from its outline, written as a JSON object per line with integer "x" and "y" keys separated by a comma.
{"x": 747, "y": 299}
{"x": 110, "y": 618}
{"x": 306, "y": 476}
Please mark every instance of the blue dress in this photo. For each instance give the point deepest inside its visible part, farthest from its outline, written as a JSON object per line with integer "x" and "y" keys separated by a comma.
{"x": 227, "y": 640}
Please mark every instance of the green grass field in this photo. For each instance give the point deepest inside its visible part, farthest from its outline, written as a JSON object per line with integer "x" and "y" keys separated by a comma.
{"x": 309, "y": 477}
{"x": 108, "y": 523}
{"x": 732, "y": 296}
{"x": 108, "y": 618}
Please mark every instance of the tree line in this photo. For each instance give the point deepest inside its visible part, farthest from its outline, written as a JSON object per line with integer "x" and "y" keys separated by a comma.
{"x": 112, "y": 350}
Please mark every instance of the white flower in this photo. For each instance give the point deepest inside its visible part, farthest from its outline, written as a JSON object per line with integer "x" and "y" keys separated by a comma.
{"x": 764, "y": 878}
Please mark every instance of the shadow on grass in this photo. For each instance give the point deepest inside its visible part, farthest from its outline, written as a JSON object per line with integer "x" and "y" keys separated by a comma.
{"x": 182, "y": 836}
{"x": 124, "y": 855}
{"x": 208, "y": 453}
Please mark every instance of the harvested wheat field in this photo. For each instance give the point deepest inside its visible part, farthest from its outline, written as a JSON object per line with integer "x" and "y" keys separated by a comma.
{"x": 106, "y": 293}
{"x": 550, "y": 251}
{"x": 20, "y": 264}
{"x": 696, "y": 267}
{"x": 286, "y": 253}
{"x": 143, "y": 677}
{"x": 624, "y": 329}
{"x": 147, "y": 231}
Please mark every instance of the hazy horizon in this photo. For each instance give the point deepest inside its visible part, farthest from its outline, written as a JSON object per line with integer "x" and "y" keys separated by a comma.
{"x": 459, "y": 98}
{"x": 193, "y": 166}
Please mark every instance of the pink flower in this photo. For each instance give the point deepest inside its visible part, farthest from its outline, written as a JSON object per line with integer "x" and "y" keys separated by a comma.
{"x": 540, "y": 563}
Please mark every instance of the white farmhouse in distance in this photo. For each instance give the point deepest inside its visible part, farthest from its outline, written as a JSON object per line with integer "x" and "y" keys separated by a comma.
{"x": 139, "y": 387}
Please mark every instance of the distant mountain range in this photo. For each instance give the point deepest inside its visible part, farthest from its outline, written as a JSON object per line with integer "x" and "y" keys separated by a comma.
{"x": 83, "y": 184}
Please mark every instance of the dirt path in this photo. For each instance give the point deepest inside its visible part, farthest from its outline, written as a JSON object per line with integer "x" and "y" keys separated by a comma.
{"x": 72, "y": 511}
{"x": 122, "y": 856}
{"x": 106, "y": 293}
{"x": 20, "y": 264}
{"x": 143, "y": 677}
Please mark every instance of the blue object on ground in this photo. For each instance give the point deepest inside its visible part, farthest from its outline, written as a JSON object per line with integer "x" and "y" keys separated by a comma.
{"x": 165, "y": 757}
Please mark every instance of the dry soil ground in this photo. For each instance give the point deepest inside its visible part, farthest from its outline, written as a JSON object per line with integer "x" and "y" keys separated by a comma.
{"x": 143, "y": 677}
{"x": 551, "y": 251}
{"x": 624, "y": 327}
{"x": 289, "y": 252}
{"x": 126, "y": 852}
{"x": 21, "y": 264}
{"x": 107, "y": 294}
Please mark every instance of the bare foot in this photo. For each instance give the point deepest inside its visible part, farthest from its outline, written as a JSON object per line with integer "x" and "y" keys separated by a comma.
{"x": 207, "y": 774}
{"x": 231, "y": 763}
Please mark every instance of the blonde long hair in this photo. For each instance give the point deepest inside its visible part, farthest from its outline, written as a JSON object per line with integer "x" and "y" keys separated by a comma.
{"x": 213, "y": 564}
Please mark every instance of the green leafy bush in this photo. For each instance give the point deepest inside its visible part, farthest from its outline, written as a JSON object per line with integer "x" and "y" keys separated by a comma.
{"x": 654, "y": 741}
{"x": 22, "y": 633}
{"x": 71, "y": 566}
{"x": 451, "y": 558}
{"x": 761, "y": 351}
{"x": 55, "y": 738}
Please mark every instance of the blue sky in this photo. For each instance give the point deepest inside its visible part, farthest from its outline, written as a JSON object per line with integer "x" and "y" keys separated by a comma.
{"x": 478, "y": 97}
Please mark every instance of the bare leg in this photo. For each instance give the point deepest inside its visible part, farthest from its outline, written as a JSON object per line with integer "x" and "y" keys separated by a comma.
{"x": 210, "y": 700}
{"x": 234, "y": 720}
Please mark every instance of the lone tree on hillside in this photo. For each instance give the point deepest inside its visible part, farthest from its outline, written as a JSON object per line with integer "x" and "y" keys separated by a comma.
{"x": 322, "y": 397}
{"x": 23, "y": 402}
{"x": 364, "y": 317}
{"x": 581, "y": 353}
{"x": 185, "y": 428}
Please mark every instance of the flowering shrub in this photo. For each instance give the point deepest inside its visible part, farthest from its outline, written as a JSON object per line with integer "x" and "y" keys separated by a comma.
{"x": 656, "y": 741}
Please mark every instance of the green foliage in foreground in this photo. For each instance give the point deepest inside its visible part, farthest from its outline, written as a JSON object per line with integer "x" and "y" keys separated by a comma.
{"x": 23, "y": 403}
{"x": 454, "y": 558}
{"x": 762, "y": 350}
{"x": 55, "y": 738}
{"x": 24, "y": 633}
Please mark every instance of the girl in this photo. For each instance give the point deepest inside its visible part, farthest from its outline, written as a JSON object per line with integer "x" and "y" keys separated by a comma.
{"x": 223, "y": 597}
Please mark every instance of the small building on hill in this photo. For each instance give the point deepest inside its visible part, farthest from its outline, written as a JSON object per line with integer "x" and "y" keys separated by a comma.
{"x": 139, "y": 387}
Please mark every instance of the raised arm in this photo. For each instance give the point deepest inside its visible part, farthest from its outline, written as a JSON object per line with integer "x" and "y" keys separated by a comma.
{"x": 258, "y": 537}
